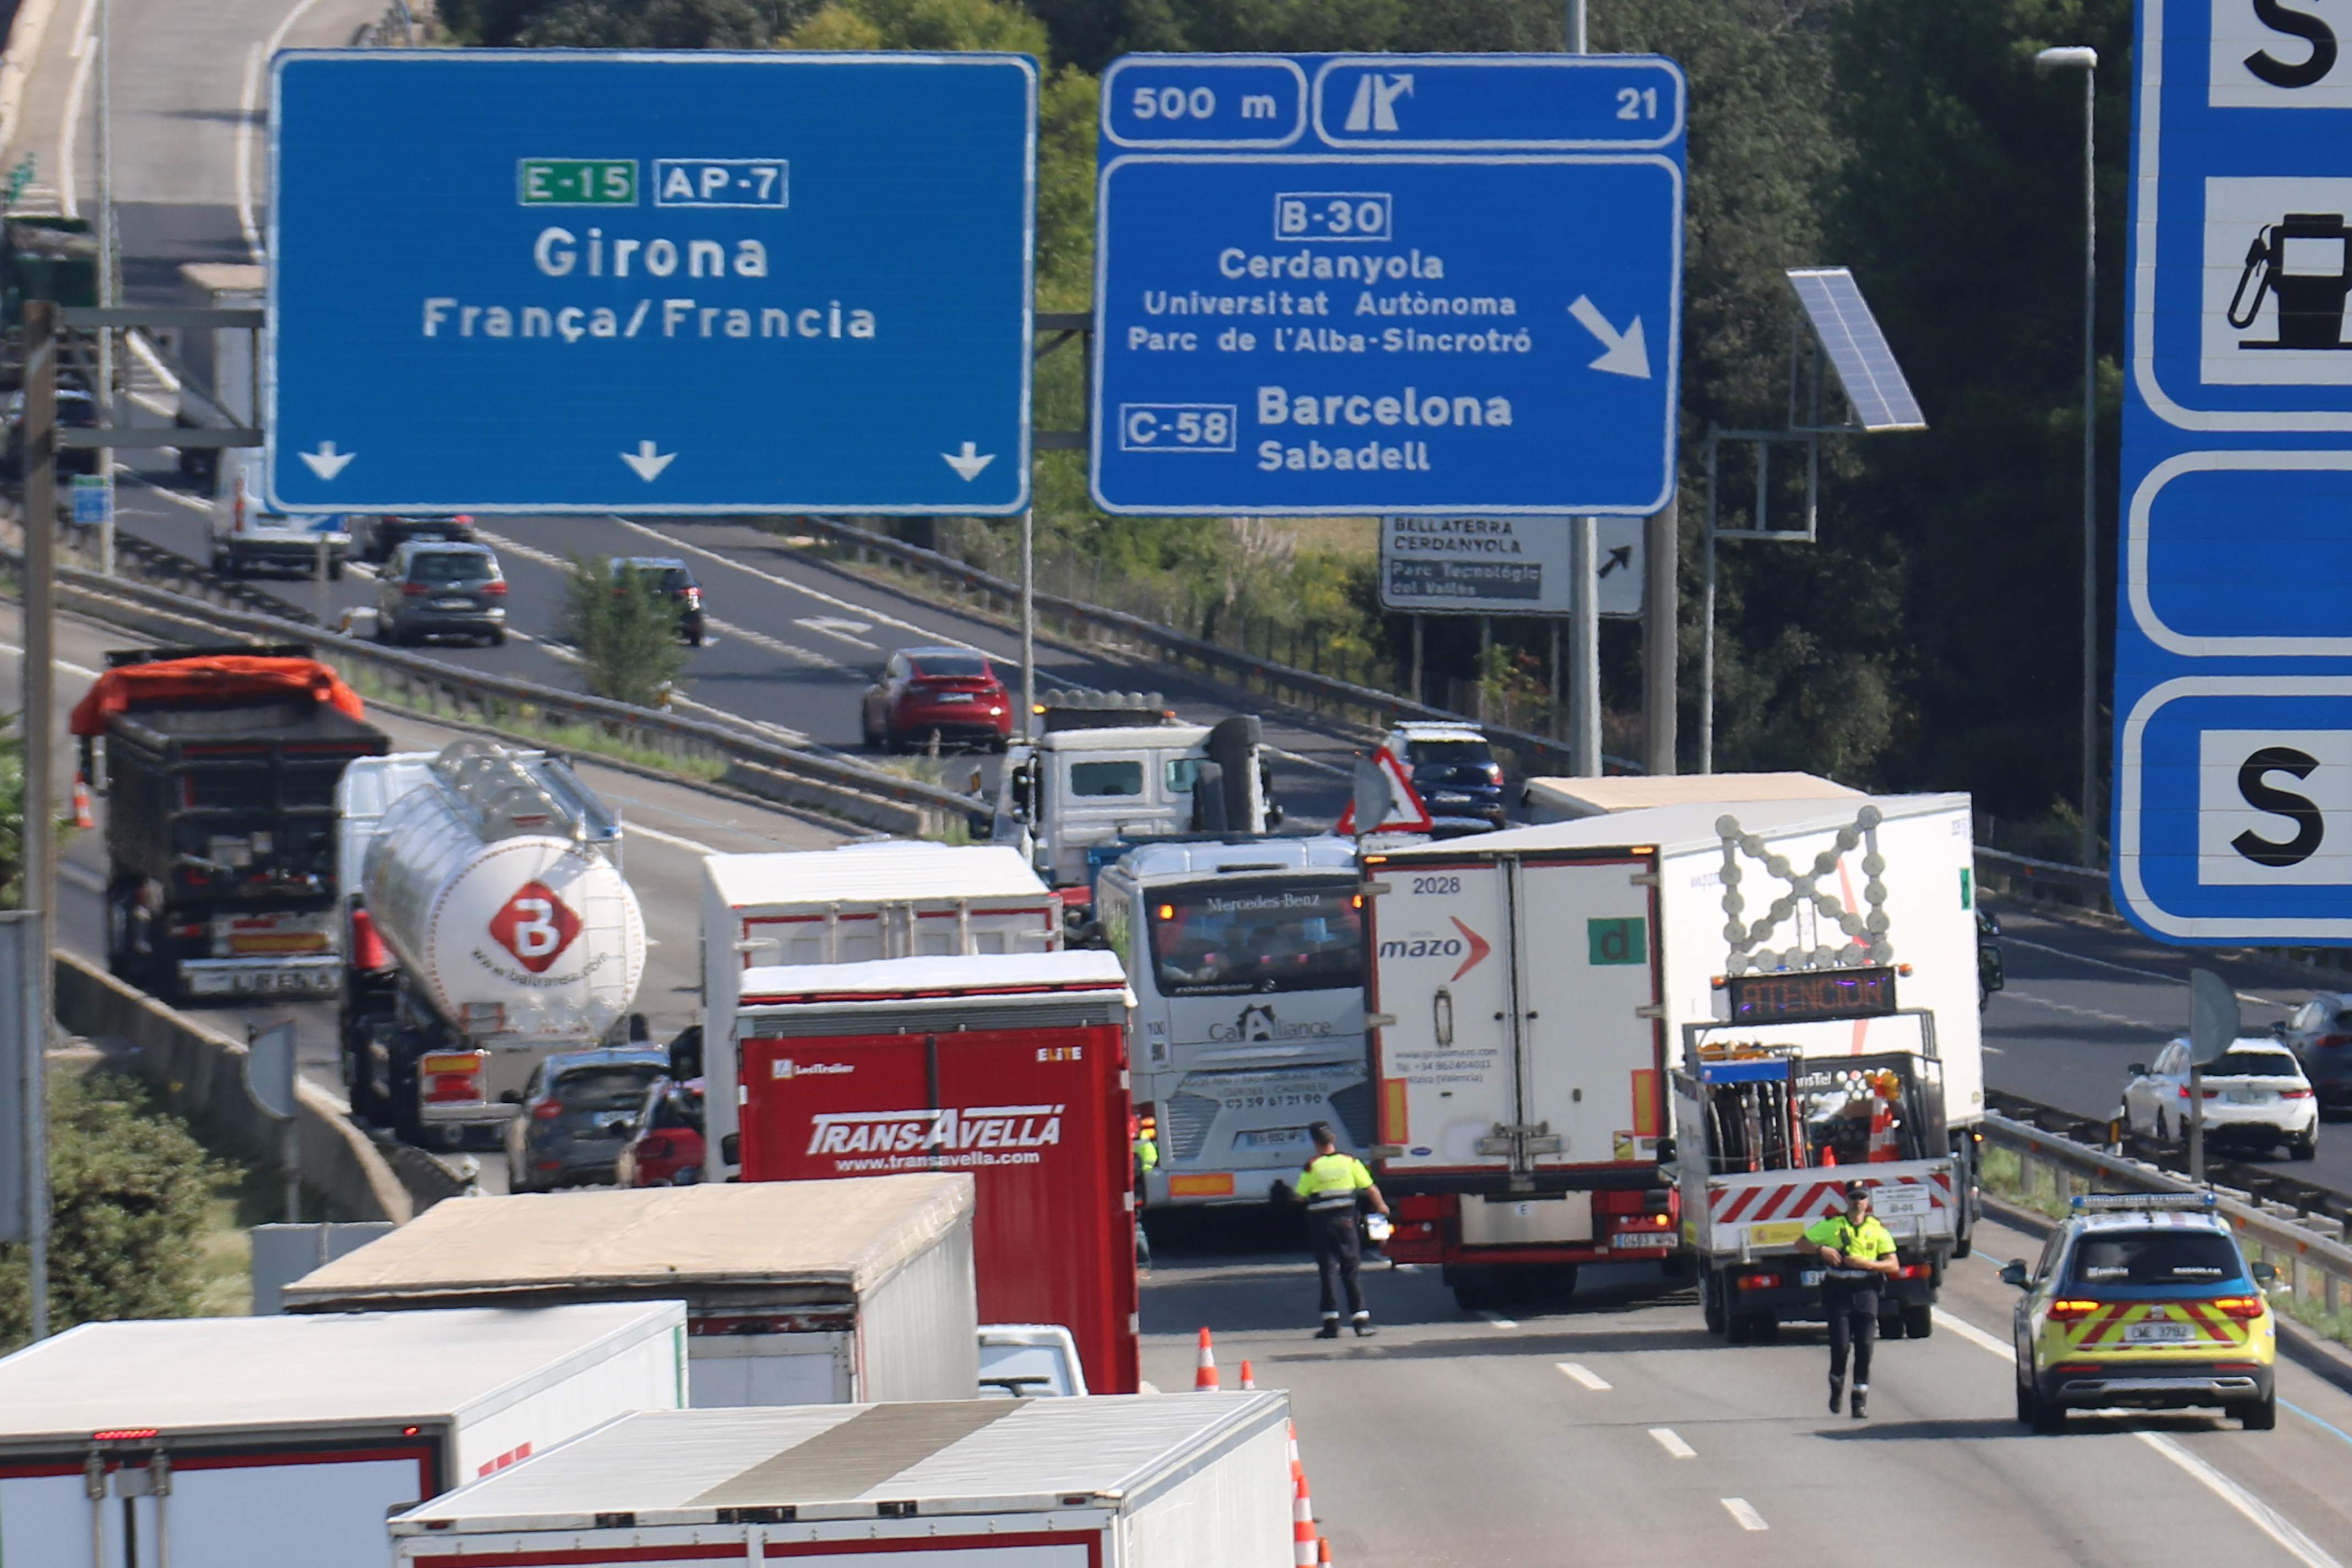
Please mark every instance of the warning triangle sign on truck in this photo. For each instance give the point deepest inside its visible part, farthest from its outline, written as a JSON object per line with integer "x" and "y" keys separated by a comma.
{"x": 1383, "y": 790}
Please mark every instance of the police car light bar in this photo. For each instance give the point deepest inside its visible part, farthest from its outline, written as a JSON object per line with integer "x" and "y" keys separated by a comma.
{"x": 2097, "y": 1202}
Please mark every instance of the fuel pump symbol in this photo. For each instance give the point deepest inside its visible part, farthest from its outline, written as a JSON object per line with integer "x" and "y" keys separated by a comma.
{"x": 2304, "y": 259}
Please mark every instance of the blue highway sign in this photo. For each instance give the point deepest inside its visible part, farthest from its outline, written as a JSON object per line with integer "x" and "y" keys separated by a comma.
{"x": 2232, "y": 798}
{"x": 549, "y": 281}
{"x": 1403, "y": 284}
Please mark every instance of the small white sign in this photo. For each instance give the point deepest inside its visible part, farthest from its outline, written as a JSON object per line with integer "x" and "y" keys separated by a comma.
{"x": 2275, "y": 807}
{"x": 2294, "y": 59}
{"x": 1900, "y": 1200}
{"x": 2278, "y": 271}
{"x": 1503, "y": 565}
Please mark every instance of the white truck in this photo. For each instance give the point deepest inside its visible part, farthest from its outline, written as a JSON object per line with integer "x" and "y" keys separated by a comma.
{"x": 1109, "y": 769}
{"x": 795, "y": 1293}
{"x": 887, "y": 899}
{"x": 1530, "y": 992}
{"x": 285, "y": 1442}
{"x": 1201, "y": 1481}
{"x": 492, "y": 927}
{"x": 1247, "y": 963}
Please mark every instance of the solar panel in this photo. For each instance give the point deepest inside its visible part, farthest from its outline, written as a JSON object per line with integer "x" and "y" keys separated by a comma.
{"x": 1857, "y": 350}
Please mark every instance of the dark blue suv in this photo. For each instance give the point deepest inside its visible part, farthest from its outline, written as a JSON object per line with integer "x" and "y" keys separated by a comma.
{"x": 1453, "y": 771}
{"x": 579, "y": 1111}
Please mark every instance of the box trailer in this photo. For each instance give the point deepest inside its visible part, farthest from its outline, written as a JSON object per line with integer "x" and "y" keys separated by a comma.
{"x": 1529, "y": 991}
{"x": 1011, "y": 1067}
{"x": 888, "y": 899}
{"x": 1573, "y": 799}
{"x": 795, "y": 1293}
{"x": 1189, "y": 1481}
{"x": 286, "y": 1442}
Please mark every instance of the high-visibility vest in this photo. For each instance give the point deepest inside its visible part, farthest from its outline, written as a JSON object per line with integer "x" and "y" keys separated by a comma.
{"x": 1330, "y": 1183}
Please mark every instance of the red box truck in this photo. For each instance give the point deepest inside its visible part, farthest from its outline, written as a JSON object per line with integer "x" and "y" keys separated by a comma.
{"x": 1011, "y": 1066}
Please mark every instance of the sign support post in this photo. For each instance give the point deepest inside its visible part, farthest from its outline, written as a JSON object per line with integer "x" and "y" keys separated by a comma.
{"x": 39, "y": 717}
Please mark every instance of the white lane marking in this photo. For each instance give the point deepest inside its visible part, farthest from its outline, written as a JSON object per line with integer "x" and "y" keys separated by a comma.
{"x": 248, "y": 106}
{"x": 2132, "y": 970}
{"x": 153, "y": 405}
{"x": 1497, "y": 1321}
{"x": 2095, "y": 1013}
{"x": 2257, "y": 1514}
{"x": 834, "y": 626}
{"x": 251, "y": 105}
{"x": 1977, "y": 1336}
{"x": 155, "y": 365}
{"x": 80, "y": 877}
{"x": 2297, "y": 1544}
{"x": 66, "y": 664}
{"x": 1670, "y": 1441}
{"x": 123, "y": 472}
{"x": 1740, "y": 1508}
{"x": 69, "y": 128}
{"x": 1583, "y": 1374}
{"x": 658, "y": 837}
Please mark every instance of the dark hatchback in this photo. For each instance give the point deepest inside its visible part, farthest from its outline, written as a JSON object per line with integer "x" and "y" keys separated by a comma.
{"x": 579, "y": 1112}
{"x": 378, "y": 536}
{"x": 672, "y": 580}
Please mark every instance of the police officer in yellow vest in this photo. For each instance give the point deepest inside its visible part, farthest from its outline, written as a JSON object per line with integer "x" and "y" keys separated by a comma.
{"x": 1856, "y": 1252}
{"x": 1330, "y": 1187}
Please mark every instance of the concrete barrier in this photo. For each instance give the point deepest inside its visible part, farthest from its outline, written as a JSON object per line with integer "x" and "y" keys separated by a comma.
{"x": 202, "y": 1074}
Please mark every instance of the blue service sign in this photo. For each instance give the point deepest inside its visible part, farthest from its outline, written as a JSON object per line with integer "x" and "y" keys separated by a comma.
{"x": 555, "y": 280}
{"x": 2233, "y": 797}
{"x": 1403, "y": 284}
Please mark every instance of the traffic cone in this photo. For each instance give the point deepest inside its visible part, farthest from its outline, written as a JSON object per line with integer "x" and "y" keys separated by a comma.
{"x": 1249, "y": 1383}
{"x": 82, "y": 818}
{"x": 1302, "y": 1527}
{"x": 1204, "y": 1373}
{"x": 1298, "y": 1470}
{"x": 1323, "y": 1551}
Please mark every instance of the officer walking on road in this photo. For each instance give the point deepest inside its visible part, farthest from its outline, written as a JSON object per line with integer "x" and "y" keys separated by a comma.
{"x": 1330, "y": 1187}
{"x": 1857, "y": 1252}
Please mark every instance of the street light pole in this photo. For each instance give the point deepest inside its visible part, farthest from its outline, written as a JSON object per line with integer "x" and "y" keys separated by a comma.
{"x": 107, "y": 291}
{"x": 2088, "y": 61}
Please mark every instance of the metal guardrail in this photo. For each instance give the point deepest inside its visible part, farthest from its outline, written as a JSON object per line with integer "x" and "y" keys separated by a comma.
{"x": 2306, "y": 1248}
{"x": 1319, "y": 692}
{"x": 412, "y": 677}
{"x": 2084, "y": 885}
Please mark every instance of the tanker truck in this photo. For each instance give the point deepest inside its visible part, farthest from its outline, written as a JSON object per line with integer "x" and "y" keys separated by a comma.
{"x": 490, "y": 926}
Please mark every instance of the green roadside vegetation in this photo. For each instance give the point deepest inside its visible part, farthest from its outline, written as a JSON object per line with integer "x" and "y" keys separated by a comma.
{"x": 143, "y": 1222}
{"x": 524, "y": 719}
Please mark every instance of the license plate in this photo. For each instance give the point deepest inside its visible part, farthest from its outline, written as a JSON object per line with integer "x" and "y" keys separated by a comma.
{"x": 2247, "y": 1097}
{"x": 2158, "y": 1333}
{"x": 1638, "y": 1238}
{"x": 1810, "y": 1277}
{"x": 1449, "y": 796}
{"x": 1270, "y": 1138}
{"x": 453, "y": 603}
{"x": 955, "y": 696}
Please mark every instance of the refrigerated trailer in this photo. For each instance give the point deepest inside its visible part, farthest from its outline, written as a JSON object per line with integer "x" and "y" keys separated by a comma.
{"x": 1187, "y": 1480}
{"x": 1012, "y": 1068}
{"x": 1527, "y": 989}
{"x": 795, "y": 1293}
{"x": 286, "y": 1442}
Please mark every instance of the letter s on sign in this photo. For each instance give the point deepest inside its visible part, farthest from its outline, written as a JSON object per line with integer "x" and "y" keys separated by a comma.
{"x": 2310, "y": 828}
{"x": 2280, "y": 18}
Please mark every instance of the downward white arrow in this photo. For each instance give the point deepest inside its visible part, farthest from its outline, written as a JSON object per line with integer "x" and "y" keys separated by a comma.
{"x": 970, "y": 461}
{"x": 326, "y": 462}
{"x": 647, "y": 462}
{"x": 1626, "y": 354}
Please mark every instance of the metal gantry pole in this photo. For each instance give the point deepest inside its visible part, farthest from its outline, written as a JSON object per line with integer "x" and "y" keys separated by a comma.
{"x": 1661, "y": 637}
{"x": 1707, "y": 621}
{"x": 107, "y": 290}
{"x": 40, "y": 470}
{"x": 1583, "y": 575}
{"x": 2089, "y": 853}
{"x": 1029, "y": 624}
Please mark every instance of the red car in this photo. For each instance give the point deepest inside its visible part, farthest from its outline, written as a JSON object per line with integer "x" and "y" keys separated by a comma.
{"x": 665, "y": 1149}
{"x": 951, "y": 692}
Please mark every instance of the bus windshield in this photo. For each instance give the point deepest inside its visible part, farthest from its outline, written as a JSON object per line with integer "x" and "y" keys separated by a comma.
{"x": 1227, "y": 938}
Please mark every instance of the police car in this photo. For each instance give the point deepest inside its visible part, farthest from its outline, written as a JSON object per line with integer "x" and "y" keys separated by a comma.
{"x": 2143, "y": 1300}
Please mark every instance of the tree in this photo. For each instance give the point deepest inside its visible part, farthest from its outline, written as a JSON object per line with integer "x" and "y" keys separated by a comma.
{"x": 129, "y": 1187}
{"x": 625, "y": 630}
{"x": 12, "y": 815}
{"x": 622, "y": 24}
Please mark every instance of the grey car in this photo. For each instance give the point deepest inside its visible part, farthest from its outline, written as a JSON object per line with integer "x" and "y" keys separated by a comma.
{"x": 579, "y": 1111}
{"x": 2319, "y": 1033}
{"x": 435, "y": 589}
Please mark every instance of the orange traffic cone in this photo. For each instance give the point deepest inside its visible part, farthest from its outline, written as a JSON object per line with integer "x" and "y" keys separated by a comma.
{"x": 1302, "y": 1528}
{"x": 1298, "y": 1470}
{"x": 1204, "y": 1375}
{"x": 1323, "y": 1552}
{"x": 1249, "y": 1383}
{"x": 82, "y": 818}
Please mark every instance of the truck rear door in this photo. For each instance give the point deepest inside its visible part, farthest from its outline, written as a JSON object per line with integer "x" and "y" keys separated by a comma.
{"x": 1587, "y": 966}
{"x": 1446, "y": 1054}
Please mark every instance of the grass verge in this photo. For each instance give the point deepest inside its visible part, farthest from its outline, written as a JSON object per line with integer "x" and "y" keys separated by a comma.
{"x": 521, "y": 719}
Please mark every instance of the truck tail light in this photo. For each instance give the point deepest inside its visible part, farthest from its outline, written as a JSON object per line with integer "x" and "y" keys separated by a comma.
{"x": 1760, "y": 1282}
{"x": 1914, "y": 1271}
{"x": 2070, "y": 1312}
{"x": 451, "y": 1076}
{"x": 2245, "y": 1309}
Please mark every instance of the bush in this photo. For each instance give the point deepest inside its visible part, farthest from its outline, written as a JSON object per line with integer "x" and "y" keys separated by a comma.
{"x": 129, "y": 1191}
{"x": 626, "y": 632}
